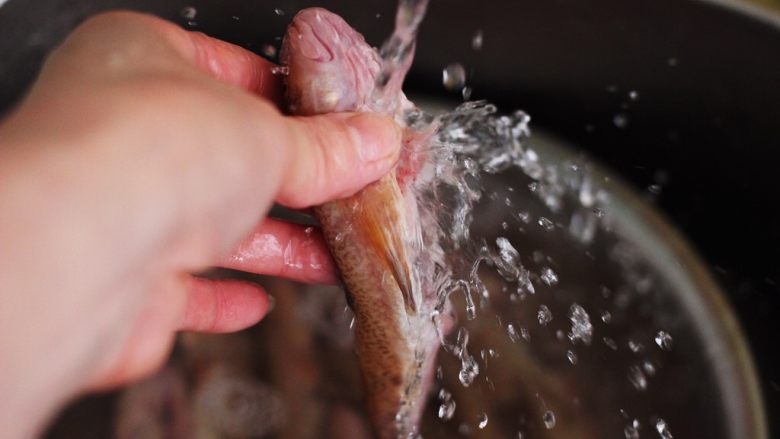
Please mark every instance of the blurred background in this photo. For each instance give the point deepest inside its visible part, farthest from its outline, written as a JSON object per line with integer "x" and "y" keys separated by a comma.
{"x": 679, "y": 98}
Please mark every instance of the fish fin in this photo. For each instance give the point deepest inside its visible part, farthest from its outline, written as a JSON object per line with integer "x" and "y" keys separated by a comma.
{"x": 383, "y": 222}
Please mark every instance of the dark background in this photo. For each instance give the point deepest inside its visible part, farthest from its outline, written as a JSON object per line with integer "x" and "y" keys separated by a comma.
{"x": 704, "y": 127}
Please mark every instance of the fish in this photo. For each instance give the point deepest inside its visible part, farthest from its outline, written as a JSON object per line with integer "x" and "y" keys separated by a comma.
{"x": 383, "y": 243}
{"x": 207, "y": 391}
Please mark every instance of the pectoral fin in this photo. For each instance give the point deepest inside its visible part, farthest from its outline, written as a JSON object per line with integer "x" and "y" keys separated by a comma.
{"x": 383, "y": 224}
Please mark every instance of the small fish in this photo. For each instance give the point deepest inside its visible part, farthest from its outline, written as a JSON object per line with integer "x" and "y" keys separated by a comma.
{"x": 378, "y": 237}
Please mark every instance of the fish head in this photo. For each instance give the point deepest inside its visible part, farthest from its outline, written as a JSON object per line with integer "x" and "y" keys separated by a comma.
{"x": 331, "y": 67}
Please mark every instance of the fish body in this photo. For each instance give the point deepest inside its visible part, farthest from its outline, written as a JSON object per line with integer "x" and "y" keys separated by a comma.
{"x": 377, "y": 236}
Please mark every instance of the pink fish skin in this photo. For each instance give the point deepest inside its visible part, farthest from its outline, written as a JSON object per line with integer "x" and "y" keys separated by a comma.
{"x": 382, "y": 251}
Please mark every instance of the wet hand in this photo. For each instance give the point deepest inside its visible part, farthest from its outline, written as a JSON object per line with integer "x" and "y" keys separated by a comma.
{"x": 142, "y": 154}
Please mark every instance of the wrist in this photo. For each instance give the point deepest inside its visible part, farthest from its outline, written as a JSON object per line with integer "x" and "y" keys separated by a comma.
{"x": 37, "y": 374}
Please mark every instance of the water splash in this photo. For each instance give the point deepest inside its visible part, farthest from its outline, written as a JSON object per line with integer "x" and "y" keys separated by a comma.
{"x": 188, "y": 13}
{"x": 664, "y": 340}
{"x": 447, "y": 405}
{"x": 663, "y": 429}
{"x": 632, "y": 429}
{"x": 483, "y": 421}
{"x": 637, "y": 378}
{"x": 581, "y": 328}
{"x": 544, "y": 315}
{"x": 549, "y": 419}
{"x": 549, "y": 276}
{"x": 469, "y": 148}
{"x": 397, "y": 51}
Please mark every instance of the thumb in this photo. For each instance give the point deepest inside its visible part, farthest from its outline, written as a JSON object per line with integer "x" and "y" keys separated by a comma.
{"x": 335, "y": 155}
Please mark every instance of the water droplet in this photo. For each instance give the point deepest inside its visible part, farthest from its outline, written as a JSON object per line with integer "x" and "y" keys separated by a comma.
{"x": 454, "y": 77}
{"x": 637, "y": 378}
{"x": 612, "y": 88}
{"x": 632, "y": 430}
{"x": 581, "y": 328}
{"x": 620, "y": 120}
{"x": 235, "y": 17}
{"x": 672, "y": 62}
{"x": 635, "y": 346}
{"x": 278, "y": 12}
{"x": 508, "y": 263}
{"x": 188, "y": 13}
{"x": 610, "y": 343}
{"x": 513, "y": 335}
{"x": 544, "y": 315}
{"x": 549, "y": 419}
{"x": 548, "y": 276}
{"x": 633, "y": 95}
{"x": 524, "y": 217}
{"x": 466, "y": 92}
{"x": 483, "y": 421}
{"x": 469, "y": 370}
{"x": 447, "y": 407}
{"x": 520, "y": 435}
{"x": 648, "y": 368}
{"x": 546, "y": 224}
{"x": 476, "y": 40}
{"x": 606, "y": 316}
{"x": 664, "y": 340}
{"x": 378, "y": 15}
{"x": 586, "y": 192}
{"x": 663, "y": 429}
{"x": 571, "y": 356}
{"x": 268, "y": 51}
{"x": 654, "y": 189}
{"x": 284, "y": 71}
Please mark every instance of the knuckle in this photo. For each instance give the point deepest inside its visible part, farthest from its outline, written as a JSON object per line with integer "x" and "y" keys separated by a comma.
{"x": 119, "y": 22}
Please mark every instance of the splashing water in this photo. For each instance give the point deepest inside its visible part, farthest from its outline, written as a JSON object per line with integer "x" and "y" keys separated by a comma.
{"x": 447, "y": 407}
{"x": 632, "y": 429}
{"x": 663, "y": 340}
{"x": 480, "y": 166}
{"x": 549, "y": 419}
{"x": 581, "y": 328}
{"x": 663, "y": 429}
{"x": 544, "y": 315}
{"x": 188, "y": 13}
{"x": 483, "y": 421}
{"x": 398, "y": 50}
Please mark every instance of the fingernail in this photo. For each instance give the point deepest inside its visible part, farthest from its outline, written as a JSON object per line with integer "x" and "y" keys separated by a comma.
{"x": 377, "y": 137}
{"x": 271, "y": 304}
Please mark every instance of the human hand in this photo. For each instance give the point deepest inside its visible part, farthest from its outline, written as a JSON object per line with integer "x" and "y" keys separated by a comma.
{"x": 142, "y": 154}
